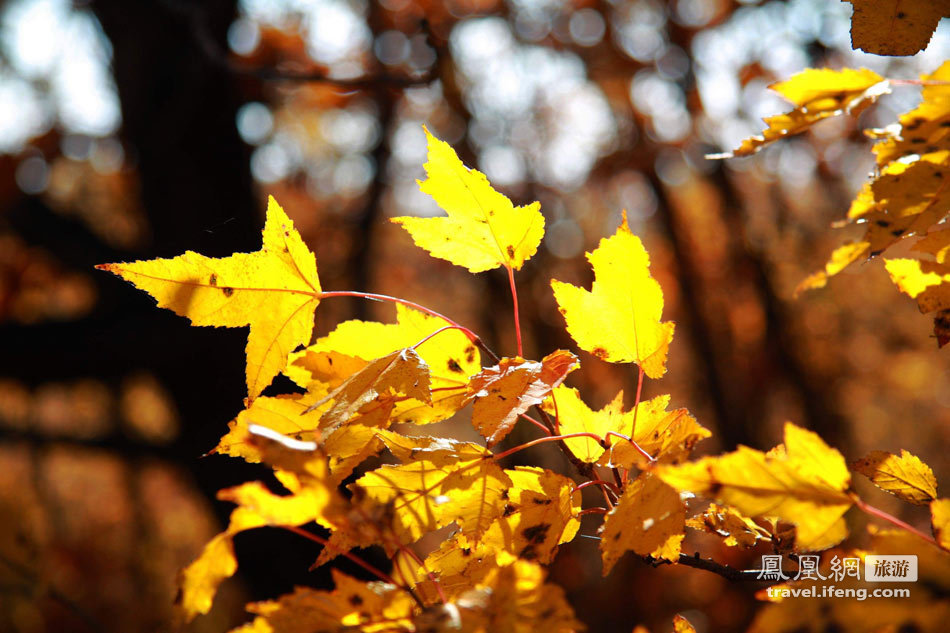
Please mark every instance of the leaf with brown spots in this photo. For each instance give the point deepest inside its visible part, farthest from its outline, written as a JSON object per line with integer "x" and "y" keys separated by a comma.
{"x": 400, "y": 373}
{"x": 618, "y": 319}
{"x": 817, "y": 95}
{"x": 450, "y": 355}
{"x": 274, "y": 290}
{"x": 736, "y": 529}
{"x": 505, "y": 391}
{"x": 895, "y": 27}
{"x": 540, "y": 514}
{"x": 649, "y": 519}
{"x": 483, "y": 229}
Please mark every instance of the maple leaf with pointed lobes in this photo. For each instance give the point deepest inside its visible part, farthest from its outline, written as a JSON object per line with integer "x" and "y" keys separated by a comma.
{"x": 804, "y": 482}
{"x": 618, "y": 320}
{"x": 540, "y": 514}
{"x": 450, "y": 355}
{"x": 483, "y": 230}
{"x": 274, "y": 290}
{"x": 400, "y": 373}
{"x": 505, "y": 391}
{"x": 904, "y": 476}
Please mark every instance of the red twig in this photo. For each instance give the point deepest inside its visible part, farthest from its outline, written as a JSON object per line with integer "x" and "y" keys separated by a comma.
{"x": 550, "y": 438}
{"x": 514, "y": 299}
{"x": 538, "y": 424}
{"x": 594, "y": 482}
{"x": 440, "y": 330}
{"x": 350, "y": 555}
{"x": 881, "y": 514}
{"x": 592, "y": 511}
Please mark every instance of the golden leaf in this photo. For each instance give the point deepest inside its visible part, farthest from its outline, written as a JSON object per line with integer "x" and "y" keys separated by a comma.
{"x": 895, "y": 27}
{"x": 903, "y": 476}
{"x": 805, "y": 484}
{"x": 274, "y": 290}
{"x": 649, "y": 519}
{"x": 450, "y": 355}
{"x": 540, "y": 514}
{"x": 505, "y": 391}
{"x": 817, "y": 94}
{"x": 618, "y": 320}
{"x": 940, "y": 519}
{"x": 736, "y": 529}
{"x": 483, "y": 229}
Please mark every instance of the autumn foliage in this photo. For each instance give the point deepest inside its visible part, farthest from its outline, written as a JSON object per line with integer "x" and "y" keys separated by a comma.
{"x": 488, "y": 573}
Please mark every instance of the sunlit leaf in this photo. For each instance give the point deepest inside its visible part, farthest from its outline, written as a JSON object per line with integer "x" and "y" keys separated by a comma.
{"x": 505, "y": 391}
{"x": 895, "y": 27}
{"x": 274, "y": 290}
{"x": 540, "y": 514}
{"x": 618, "y": 320}
{"x": 817, "y": 94}
{"x": 426, "y": 495}
{"x": 649, "y": 519}
{"x": 735, "y": 529}
{"x": 806, "y": 484}
{"x": 940, "y": 520}
{"x": 903, "y": 476}
{"x": 483, "y": 229}
{"x": 450, "y": 356}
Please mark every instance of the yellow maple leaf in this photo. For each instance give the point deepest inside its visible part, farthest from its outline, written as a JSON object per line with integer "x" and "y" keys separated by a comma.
{"x": 346, "y": 446}
{"x": 929, "y": 284}
{"x": 736, "y": 529}
{"x": 401, "y": 372}
{"x": 895, "y": 27}
{"x": 940, "y": 520}
{"x": 923, "y": 129}
{"x": 426, "y": 495}
{"x": 199, "y": 581}
{"x": 450, "y": 355}
{"x": 505, "y": 391}
{"x": 805, "y": 484}
{"x": 574, "y": 416}
{"x": 618, "y": 320}
{"x": 817, "y": 93}
{"x": 666, "y": 435}
{"x": 904, "y": 476}
{"x": 516, "y": 599}
{"x": 649, "y": 519}
{"x": 274, "y": 290}
{"x": 483, "y": 229}
{"x": 540, "y": 514}
{"x": 313, "y": 498}
{"x": 353, "y": 605}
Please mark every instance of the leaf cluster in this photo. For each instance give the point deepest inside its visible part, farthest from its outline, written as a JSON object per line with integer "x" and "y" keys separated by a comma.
{"x": 371, "y": 388}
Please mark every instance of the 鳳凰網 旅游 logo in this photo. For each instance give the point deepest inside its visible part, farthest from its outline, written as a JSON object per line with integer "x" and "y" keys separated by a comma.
{"x": 875, "y": 569}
